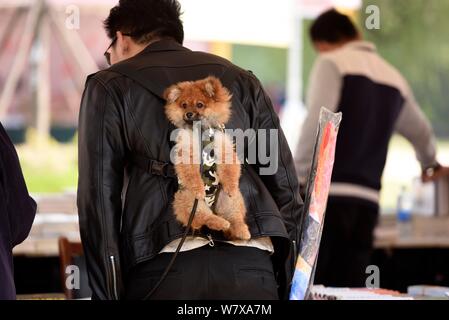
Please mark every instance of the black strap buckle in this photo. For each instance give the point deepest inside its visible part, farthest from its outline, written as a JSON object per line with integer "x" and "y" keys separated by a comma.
{"x": 159, "y": 168}
{"x": 154, "y": 167}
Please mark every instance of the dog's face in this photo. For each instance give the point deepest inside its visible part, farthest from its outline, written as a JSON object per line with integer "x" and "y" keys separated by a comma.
{"x": 204, "y": 100}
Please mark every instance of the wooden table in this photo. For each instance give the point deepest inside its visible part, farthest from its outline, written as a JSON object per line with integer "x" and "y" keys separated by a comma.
{"x": 425, "y": 233}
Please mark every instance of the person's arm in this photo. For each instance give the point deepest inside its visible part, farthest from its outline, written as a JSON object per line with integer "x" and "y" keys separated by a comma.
{"x": 324, "y": 91}
{"x": 101, "y": 151}
{"x": 435, "y": 173}
{"x": 21, "y": 208}
{"x": 413, "y": 125}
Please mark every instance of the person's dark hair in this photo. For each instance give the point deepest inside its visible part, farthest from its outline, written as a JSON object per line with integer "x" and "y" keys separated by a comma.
{"x": 146, "y": 19}
{"x": 332, "y": 26}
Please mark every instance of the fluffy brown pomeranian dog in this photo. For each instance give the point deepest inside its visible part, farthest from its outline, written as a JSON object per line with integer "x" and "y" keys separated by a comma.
{"x": 220, "y": 203}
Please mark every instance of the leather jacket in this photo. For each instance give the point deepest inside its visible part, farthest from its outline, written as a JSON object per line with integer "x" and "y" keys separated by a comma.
{"x": 125, "y": 213}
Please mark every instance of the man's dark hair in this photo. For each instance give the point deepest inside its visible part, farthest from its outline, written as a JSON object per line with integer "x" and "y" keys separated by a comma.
{"x": 332, "y": 26}
{"x": 146, "y": 20}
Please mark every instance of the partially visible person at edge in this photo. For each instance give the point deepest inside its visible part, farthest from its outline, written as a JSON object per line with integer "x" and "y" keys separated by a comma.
{"x": 376, "y": 101}
{"x": 128, "y": 228}
{"x": 17, "y": 211}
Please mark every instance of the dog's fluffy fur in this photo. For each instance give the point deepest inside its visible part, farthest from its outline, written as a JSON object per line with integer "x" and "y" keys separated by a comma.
{"x": 208, "y": 101}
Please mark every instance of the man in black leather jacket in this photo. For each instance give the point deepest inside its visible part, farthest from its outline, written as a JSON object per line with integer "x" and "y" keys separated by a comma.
{"x": 125, "y": 191}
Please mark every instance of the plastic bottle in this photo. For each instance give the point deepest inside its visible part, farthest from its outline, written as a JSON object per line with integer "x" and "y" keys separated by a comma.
{"x": 404, "y": 213}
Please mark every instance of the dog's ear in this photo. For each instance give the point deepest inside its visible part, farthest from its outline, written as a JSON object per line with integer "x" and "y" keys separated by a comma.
{"x": 211, "y": 86}
{"x": 172, "y": 93}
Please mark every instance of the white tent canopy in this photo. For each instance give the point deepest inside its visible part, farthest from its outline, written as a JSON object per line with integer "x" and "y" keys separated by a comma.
{"x": 258, "y": 22}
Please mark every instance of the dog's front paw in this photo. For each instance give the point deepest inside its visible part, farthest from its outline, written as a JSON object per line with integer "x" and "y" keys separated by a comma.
{"x": 200, "y": 195}
{"x": 231, "y": 189}
{"x": 199, "y": 192}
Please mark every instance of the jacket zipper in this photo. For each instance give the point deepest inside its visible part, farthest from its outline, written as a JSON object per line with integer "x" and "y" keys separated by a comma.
{"x": 114, "y": 276}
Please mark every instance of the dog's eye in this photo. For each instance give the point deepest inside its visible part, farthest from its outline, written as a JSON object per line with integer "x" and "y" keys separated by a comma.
{"x": 184, "y": 105}
{"x": 199, "y": 105}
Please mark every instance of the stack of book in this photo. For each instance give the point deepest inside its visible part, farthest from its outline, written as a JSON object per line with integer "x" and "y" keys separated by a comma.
{"x": 327, "y": 293}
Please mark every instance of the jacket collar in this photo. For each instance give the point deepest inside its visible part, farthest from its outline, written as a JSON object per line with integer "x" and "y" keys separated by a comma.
{"x": 164, "y": 45}
{"x": 361, "y": 45}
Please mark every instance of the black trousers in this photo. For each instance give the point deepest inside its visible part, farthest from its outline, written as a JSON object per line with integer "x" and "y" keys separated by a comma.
{"x": 223, "y": 271}
{"x": 346, "y": 243}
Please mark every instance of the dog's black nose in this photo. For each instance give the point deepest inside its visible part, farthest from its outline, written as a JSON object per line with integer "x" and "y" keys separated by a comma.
{"x": 189, "y": 115}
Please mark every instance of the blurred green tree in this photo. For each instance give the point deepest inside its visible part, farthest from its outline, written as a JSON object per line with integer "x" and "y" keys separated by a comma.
{"x": 413, "y": 37}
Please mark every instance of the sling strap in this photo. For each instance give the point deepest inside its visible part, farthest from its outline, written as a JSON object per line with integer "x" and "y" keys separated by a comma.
{"x": 154, "y": 167}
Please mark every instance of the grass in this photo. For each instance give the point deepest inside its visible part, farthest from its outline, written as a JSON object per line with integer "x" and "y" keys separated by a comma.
{"x": 48, "y": 166}
{"x": 46, "y": 180}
